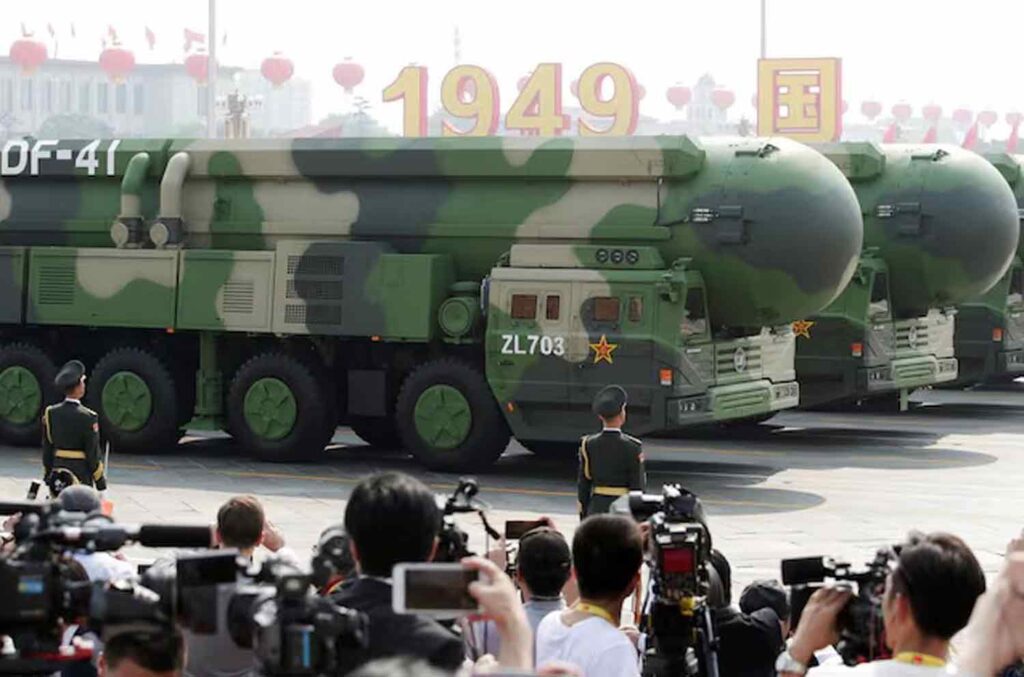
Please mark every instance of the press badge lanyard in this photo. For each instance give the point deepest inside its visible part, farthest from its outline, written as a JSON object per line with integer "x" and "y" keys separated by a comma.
{"x": 914, "y": 658}
{"x": 595, "y": 610}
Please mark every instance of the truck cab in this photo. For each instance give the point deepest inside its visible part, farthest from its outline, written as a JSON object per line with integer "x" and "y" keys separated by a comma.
{"x": 855, "y": 350}
{"x": 564, "y": 321}
{"x": 990, "y": 331}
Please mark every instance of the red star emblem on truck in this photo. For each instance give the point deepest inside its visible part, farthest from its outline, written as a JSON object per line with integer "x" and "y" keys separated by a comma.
{"x": 603, "y": 350}
{"x": 802, "y": 328}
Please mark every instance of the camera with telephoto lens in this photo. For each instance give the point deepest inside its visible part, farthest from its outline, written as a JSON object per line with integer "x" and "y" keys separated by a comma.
{"x": 681, "y": 635}
{"x": 43, "y": 595}
{"x": 273, "y": 610}
{"x": 453, "y": 542}
{"x": 860, "y": 624}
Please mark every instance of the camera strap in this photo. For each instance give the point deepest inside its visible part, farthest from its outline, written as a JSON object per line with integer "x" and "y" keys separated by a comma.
{"x": 914, "y": 658}
{"x": 595, "y": 610}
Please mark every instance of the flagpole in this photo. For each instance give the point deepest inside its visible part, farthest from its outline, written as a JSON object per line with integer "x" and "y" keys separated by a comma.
{"x": 211, "y": 72}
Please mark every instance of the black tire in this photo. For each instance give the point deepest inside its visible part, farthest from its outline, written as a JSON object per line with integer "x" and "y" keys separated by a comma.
{"x": 487, "y": 435}
{"x": 159, "y": 431}
{"x": 27, "y": 429}
{"x": 748, "y": 423}
{"x": 558, "y": 451}
{"x": 314, "y": 420}
{"x": 379, "y": 432}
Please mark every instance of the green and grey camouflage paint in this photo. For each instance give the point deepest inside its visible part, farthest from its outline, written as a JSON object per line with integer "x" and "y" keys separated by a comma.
{"x": 376, "y": 253}
{"x": 940, "y": 226}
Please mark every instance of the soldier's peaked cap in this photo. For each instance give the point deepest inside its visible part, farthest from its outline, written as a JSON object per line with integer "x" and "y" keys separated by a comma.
{"x": 69, "y": 375}
{"x": 609, "y": 401}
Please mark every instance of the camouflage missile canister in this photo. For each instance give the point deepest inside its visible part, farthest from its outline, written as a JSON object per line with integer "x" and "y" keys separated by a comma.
{"x": 239, "y": 276}
{"x": 990, "y": 326}
{"x": 940, "y": 226}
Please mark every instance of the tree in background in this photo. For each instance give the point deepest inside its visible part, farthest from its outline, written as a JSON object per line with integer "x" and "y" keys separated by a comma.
{"x": 74, "y": 126}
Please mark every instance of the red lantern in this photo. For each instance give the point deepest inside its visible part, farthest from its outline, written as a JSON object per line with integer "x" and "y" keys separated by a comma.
{"x": 277, "y": 69}
{"x": 871, "y": 109}
{"x": 932, "y": 112}
{"x": 723, "y": 98}
{"x": 1014, "y": 118}
{"x": 117, "y": 62}
{"x": 28, "y": 53}
{"x": 988, "y": 117}
{"x": 902, "y": 111}
{"x": 678, "y": 96}
{"x": 195, "y": 66}
{"x": 348, "y": 74}
{"x": 963, "y": 116}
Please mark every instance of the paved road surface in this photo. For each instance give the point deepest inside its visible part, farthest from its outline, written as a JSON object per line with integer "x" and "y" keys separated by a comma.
{"x": 803, "y": 484}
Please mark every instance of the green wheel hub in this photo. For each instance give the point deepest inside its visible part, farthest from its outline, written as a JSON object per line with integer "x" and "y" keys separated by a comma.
{"x": 20, "y": 395}
{"x": 443, "y": 417}
{"x": 127, "y": 401}
{"x": 270, "y": 408}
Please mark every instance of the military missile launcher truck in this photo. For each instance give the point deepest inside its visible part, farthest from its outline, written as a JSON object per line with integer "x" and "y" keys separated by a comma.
{"x": 990, "y": 327}
{"x": 440, "y": 294}
{"x": 940, "y": 226}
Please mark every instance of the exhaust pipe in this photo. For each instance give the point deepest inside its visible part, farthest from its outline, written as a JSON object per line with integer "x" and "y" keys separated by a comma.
{"x": 169, "y": 228}
{"x": 127, "y": 231}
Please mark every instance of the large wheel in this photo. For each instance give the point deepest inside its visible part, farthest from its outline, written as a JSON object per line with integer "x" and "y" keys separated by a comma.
{"x": 26, "y": 387}
{"x": 560, "y": 451}
{"x": 278, "y": 411}
{"x": 137, "y": 401}
{"x": 379, "y": 432}
{"x": 448, "y": 418}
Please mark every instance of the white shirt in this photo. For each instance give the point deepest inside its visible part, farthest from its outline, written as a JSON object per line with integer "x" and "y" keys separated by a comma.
{"x": 102, "y": 566}
{"x": 878, "y": 669}
{"x": 594, "y": 645}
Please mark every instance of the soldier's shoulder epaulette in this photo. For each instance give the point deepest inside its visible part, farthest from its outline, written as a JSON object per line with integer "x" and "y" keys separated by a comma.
{"x": 87, "y": 410}
{"x": 634, "y": 440}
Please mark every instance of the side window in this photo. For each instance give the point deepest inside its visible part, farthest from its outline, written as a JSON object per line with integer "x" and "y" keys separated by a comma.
{"x": 524, "y": 307}
{"x": 636, "y": 308}
{"x": 696, "y": 317}
{"x": 605, "y": 308}
{"x": 552, "y": 307}
{"x": 879, "y": 307}
{"x": 1016, "y": 286}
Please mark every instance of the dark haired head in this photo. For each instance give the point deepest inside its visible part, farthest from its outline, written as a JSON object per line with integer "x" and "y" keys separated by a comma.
{"x": 607, "y": 552}
{"x": 240, "y": 522}
{"x": 156, "y": 652}
{"x": 391, "y": 518}
{"x": 544, "y": 562}
{"x": 941, "y": 579}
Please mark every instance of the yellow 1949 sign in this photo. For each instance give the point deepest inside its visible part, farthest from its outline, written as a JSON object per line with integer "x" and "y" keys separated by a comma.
{"x": 471, "y": 93}
{"x": 800, "y": 98}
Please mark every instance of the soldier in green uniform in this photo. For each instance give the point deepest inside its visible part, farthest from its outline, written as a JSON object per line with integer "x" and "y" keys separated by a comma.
{"x": 611, "y": 462}
{"x": 71, "y": 437}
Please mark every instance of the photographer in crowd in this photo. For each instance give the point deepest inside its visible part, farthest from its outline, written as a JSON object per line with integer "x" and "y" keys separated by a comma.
{"x": 392, "y": 518}
{"x": 543, "y": 567}
{"x": 607, "y": 552}
{"x": 928, "y": 598}
{"x": 750, "y": 638}
{"x": 242, "y": 525}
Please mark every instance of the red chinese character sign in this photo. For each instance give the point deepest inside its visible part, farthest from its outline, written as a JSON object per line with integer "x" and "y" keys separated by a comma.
{"x": 800, "y": 98}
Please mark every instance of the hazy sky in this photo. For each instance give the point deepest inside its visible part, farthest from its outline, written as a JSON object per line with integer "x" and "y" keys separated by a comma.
{"x": 955, "y": 53}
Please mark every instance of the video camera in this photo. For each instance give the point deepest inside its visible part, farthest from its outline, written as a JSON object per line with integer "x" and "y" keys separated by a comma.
{"x": 681, "y": 634}
{"x": 453, "y": 542}
{"x": 42, "y": 593}
{"x": 860, "y": 625}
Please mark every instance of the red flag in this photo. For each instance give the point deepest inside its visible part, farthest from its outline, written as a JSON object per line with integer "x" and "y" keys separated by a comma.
{"x": 53, "y": 33}
{"x": 971, "y": 138}
{"x": 932, "y": 135}
{"x": 150, "y": 37}
{"x": 1011, "y": 143}
{"x": 892, "y": 134}
{"x": 192, "y": 36}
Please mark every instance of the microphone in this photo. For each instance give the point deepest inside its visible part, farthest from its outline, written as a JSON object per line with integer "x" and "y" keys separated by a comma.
{"x": 174, "y": 536}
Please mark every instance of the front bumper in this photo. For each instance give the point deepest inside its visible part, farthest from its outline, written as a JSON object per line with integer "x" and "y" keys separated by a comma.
{"x": 906, "y": 373}
{"x": 725, "y": 403}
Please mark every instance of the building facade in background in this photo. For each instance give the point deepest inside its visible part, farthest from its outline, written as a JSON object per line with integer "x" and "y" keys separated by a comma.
{"x": 77, "y": 98}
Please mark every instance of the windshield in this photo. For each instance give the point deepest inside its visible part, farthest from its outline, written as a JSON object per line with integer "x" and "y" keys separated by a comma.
{"x": 695, "y": 315}
{"x": 879, "y": 307}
